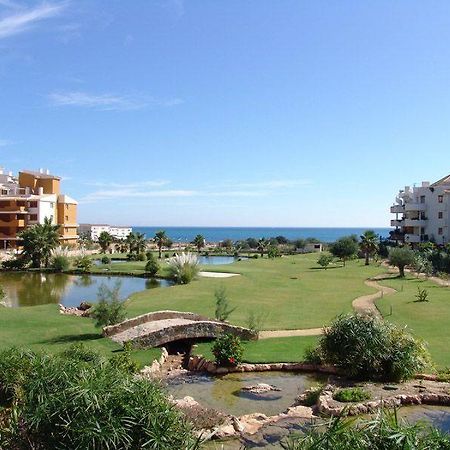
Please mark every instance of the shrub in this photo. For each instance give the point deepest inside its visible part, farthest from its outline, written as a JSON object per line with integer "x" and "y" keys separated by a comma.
{"x": 83, "y": 263}
{"x": 16, "y": 263}
{"x": 422, "y": 295}
{"x": 325, "y": 259}
{"x": 183, "y": 267}
{"x": 80, "y": 353}
{"x": 369, "y": 348}
{"x": 60, "y": 263}
{"x": 347, "y": 395}
{"x": 141, "y": 257}
{"x": 109, "y": 309}
{"x": 106, "y": 260}
{"x": 152, "y": 265}
{"x": 256, "y": 320}
{"x": 311, "y": 396}
{"x": 401, "y": 257}
{"x": 223, "y": 310}
{"x": 273, "y": 252}
{"x": 124, "y": 362}
{"x": 227, "y": 350}
{"x": 67, "y": 404}
{"x": 384, "y": 431}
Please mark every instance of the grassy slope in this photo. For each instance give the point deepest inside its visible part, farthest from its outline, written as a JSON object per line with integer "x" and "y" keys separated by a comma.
{"x": 430, "y": 320}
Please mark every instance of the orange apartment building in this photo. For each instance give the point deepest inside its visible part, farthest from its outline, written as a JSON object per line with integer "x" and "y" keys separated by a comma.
{"x": 28, "y": 199}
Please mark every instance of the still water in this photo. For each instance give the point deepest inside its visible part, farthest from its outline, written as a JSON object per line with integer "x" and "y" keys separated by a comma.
{"x": 224, "y": 393}
{"x": 32, "y": 289}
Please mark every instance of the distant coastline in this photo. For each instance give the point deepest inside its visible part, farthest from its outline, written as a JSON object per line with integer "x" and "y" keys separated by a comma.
{"x": 217, "y": 234}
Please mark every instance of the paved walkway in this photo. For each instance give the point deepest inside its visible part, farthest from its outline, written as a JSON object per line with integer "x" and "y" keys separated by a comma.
{"x": 363, "y": 305}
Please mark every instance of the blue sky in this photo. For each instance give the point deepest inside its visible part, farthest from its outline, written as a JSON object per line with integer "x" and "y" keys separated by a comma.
{"x": 227, "y": 113}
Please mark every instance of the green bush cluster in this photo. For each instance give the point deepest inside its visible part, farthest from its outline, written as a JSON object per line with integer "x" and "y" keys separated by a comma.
{"x": 227, "y": 350}
{"x": 152, "y": 265}
{"x": 369, "y": 348}
{"x": 109, "y": 309}
{"x": 60, "y": 263}
{"x": 106, "y": 260}
{"x": 77, "y": 401}
{"x": 385, "y": 431}
{"x": 355, "y": 394}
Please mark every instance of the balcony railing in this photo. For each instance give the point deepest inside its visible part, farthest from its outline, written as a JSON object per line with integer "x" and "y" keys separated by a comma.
{"x": 415, "y": 206}
{"x": 412, "y": 238}
{"x": 397, "y": 209}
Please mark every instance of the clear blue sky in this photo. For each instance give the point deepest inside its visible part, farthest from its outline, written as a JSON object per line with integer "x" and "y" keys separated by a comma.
{"x": 231, "y": 112}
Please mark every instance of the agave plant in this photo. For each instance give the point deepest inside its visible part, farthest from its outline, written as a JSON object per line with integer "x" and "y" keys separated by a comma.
{"x": 183, "y": 267}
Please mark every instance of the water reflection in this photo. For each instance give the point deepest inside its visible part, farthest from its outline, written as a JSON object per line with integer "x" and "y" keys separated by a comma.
{"x": 31, "y": 289}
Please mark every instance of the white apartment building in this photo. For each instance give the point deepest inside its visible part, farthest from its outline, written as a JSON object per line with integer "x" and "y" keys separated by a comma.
{"x": 94, "y": 230}
{"x": 422, "y": 213}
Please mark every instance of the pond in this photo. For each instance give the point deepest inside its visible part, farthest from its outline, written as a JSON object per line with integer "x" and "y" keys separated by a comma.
{"x": 438, "y": 416}
{"x": 224, "y": 393}
{"x": 32, "y": 289}
{"x": 203, "y": 260}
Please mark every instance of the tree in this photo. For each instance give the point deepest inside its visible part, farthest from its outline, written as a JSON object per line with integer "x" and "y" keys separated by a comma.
{"x": 262, "y": 245}
{"x": 152, "y": 265}
{"x": 105, "y": 240}
{"x": 369, "y": 244}
{"x": 199, "y": 242}
{"x": 401, "y": 257}
{"x": 160, "y": 240}
{"x": 39, "y": 241}
{"x": 344, "y": 248}
{"x": 325, "y": 260}
{"x": 109, "y": 309}
{"x": 282, "y": 240}
{"x": 223, "y": 310}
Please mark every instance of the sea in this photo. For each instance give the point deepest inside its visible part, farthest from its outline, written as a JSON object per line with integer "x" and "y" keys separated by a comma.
{"x": 217, "y": 234}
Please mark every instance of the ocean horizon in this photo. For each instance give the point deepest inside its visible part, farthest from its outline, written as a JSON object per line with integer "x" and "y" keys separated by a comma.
{"x": 217, "y": 234}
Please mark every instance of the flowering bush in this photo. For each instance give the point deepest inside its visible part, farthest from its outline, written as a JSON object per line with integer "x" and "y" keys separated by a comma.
{"x": 228, "y": 350}
{"x": 183, "y": 267}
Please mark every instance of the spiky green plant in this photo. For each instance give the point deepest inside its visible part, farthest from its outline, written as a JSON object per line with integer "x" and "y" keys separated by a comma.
{"x": 183, "y": 267}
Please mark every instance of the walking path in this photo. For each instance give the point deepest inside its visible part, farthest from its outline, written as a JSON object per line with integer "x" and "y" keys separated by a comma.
{"x": 218, "y": 274}
{"x": 364, "y": 304}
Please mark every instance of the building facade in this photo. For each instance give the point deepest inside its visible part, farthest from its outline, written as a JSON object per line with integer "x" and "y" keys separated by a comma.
{"x": 422, "y": 213}
{"x": 94, "y": 231}
{"x": 28, "y": 199}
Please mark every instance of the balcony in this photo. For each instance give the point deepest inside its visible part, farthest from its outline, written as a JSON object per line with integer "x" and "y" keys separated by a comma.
{"x": 415, "y": 222}
{"x": 13, "y": 209}
{"x": 397, "y": 209}
{"x": 415, "y": 206}
{"x": 412, "y": 238}
{"x": 396, "y": 223}
{"x": 16, "y": 223}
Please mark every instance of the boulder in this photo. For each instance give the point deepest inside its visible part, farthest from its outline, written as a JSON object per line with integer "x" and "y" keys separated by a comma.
{"x": 260, "y": 388}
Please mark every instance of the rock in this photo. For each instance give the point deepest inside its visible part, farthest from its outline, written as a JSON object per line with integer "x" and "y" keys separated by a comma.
{"x": 251, "y": 423}
{"x": 84, "y": 306}
{"x": 260, "y": 388}
{"x": 224, "y": 431}
{"x": 304, "y": 412}
{"x": 185, "y": 402}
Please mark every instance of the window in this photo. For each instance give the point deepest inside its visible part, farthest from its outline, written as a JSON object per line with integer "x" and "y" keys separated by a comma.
{"x": 67, "y": 206}
{"x": 440, "y": 215}
{"x": 33, "y": 204}
{"x": 67, "y": 218}
{"x": 440, "y": 230}
{"x": 33, "y": 217}
{"x": 422, "y": 199}
{"x": 440, "y": 199}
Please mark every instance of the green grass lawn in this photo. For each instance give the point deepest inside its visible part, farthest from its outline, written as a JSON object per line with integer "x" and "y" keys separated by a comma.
{"x": 286, "y": 349}
{"x": 428, "y": 320}
{"x": 291, "y": 291}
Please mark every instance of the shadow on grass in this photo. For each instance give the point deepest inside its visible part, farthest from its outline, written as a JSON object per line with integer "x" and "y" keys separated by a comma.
{"x": 326, "y": 268}
{"x": 64, "y": 339}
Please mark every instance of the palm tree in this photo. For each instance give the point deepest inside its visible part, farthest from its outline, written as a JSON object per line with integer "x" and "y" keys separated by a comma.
{"x": 262, "y": 245}
{"x": 160, "y": 240}
{"x": 140, "y": 243}
{"x": 39, "y": 241}
{"x": 369, "y": 244}
{"x": 199, "y": 242}
{"x": 105, "y": 240}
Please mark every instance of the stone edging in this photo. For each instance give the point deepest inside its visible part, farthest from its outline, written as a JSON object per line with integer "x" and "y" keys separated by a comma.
{"x": 155, "y": 367}
{"x": 201, "y": 364}
{"x": 425, "y": 398}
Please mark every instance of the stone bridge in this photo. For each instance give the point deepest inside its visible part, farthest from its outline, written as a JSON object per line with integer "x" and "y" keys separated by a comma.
{"x": 163, "y": 327}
